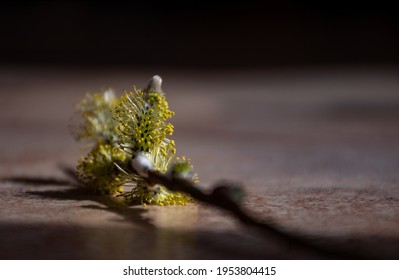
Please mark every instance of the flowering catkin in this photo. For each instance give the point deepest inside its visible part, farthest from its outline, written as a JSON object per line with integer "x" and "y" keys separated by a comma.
{"x": 124, "y": 130}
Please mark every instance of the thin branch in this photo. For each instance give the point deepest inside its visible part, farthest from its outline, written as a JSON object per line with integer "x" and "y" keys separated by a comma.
{"x": 221, "y": 197}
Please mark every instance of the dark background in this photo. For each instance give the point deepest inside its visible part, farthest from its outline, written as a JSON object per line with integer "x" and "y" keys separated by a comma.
{"x": 198, "y": 34}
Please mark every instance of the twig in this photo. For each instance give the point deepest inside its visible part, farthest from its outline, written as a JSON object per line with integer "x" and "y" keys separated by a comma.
{"x": 221, "y": 197}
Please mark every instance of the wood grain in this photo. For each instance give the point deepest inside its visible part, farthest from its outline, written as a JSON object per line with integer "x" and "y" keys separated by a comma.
{"x": 316, "y": 149}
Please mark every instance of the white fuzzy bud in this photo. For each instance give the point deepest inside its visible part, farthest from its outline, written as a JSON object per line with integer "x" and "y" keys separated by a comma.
{"x": 154, "y": 85}
{"x": 141, "y": 164}
{"x": 109, "y": 95}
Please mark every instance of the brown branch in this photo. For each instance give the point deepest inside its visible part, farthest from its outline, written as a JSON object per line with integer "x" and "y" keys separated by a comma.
{"x": 221, "y": 197}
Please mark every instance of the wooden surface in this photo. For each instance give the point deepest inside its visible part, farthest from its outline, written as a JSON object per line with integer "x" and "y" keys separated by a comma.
{"x": 317, "y": 151}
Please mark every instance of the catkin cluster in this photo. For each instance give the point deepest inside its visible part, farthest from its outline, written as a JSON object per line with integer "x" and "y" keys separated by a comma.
{"x": 118, "y": 129}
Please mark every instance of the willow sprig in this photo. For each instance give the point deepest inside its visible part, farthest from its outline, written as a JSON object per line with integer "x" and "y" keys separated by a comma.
{"x": 124, "y": 131}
